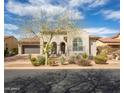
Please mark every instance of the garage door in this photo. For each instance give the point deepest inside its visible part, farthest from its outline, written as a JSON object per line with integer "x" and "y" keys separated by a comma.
{"x": 31, "y": 49}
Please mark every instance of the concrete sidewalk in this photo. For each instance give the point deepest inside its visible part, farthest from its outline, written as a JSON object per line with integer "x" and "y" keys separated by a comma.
{"x": 62, "y": 67}
{"x": 28, "y": 65}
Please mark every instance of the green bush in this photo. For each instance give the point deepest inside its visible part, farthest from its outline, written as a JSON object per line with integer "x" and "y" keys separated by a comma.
{"x": 71, "y": 60}
{"x": 34, "y": 61}
{"x": 41, "y": 60}
{"x": 84, "y": 62}
{"x": 85, "y": 56}
{"x": 101, "y": 58}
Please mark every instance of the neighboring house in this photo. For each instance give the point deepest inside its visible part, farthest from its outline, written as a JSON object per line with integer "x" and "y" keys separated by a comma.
{"x": 113, "y": 42}
{"x": 67, "y": 43}
{"x": 10, "y": 42}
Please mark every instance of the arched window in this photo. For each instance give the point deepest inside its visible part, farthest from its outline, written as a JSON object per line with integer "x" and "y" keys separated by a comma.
{"x": 77, "y": 44}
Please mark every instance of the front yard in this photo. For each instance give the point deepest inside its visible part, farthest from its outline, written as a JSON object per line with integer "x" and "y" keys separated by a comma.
{"x": 23, "y": 62}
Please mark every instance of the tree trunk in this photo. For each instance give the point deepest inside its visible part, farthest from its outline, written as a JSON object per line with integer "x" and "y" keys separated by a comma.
{"x": 46, "y": 49}
{"x": 46, "y": 55}
{"x": 46, "y": 58}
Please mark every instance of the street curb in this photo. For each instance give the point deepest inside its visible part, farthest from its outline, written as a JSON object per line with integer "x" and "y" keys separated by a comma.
{"x": 61, "y": 68}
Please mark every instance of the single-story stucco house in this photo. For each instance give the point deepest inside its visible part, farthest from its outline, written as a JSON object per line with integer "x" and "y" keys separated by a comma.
{"x": 68, "y": 43}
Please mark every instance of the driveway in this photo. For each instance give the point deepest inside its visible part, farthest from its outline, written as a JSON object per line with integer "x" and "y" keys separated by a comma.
{"x": 17, "y": 58}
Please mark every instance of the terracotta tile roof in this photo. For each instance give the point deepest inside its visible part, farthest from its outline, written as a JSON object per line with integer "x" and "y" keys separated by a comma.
{"x": 30, "y": 40}
{"x": 109, "y": 40}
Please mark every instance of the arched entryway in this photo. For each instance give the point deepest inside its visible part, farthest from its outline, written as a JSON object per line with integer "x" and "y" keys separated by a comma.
{"x": 62, "y": 47}
{"x": 54, "y": 48}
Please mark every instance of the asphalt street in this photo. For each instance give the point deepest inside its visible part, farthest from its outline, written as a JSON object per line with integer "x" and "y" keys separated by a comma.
{"x": 62, "y": 81}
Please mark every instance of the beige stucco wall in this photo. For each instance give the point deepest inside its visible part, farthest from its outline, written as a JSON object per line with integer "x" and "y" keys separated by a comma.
{"x": 11, "y": 43}
{"x": 87, "y": 48}
{"x": 92, "y": 47}
{"x": 85, "y": 38}
{"x": 99, "y": 43}
{"x": 56, "y": 38}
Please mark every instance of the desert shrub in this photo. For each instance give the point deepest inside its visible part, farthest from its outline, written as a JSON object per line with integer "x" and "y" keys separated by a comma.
{"x": 75, "y": 59}
{"x": 85, "y": 56}
{"x": 33, "y": 59}
{"x": 15, "y": 51}
{"x": 101, "y": 58}
{"x": 29, "y": 56}
{"x": 35, "y": 62}
{"x": 78, "y": 58}
{"x": 6, "y": 52}
{"x": 52, "y": 63}
{"x": 84, "y": 62}
{"x": 71, "y": 60}
{"x": 41, "y": 60}
{"x": 62, "y": 59}
{"x": 109, "y": 50}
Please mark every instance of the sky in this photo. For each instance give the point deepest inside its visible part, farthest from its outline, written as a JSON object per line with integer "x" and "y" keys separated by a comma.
{"x": 98, "y": 17}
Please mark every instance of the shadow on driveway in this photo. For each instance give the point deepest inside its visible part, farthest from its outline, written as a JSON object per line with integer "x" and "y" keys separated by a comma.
{"x": 16, "y": 58}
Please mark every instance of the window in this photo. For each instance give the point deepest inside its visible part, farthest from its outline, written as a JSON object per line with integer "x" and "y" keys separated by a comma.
{"x": 77, "y": 44}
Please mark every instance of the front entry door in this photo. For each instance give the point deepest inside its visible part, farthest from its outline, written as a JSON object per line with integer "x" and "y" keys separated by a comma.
{"x": 54, "y": 48}
{"x": 62, "y": 48}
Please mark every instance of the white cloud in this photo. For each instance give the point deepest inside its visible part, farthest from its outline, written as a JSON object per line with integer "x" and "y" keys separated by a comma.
{"x": 111, "y": 14}
{"x": 10, "y": 27}
{"x": 35, "y": 9}
{"x": 23, "y": 9}
{"x": 39, "y": 7}
{"x": 101, "y": 31}
{"x": 73, "y": 14}
{"x": 90, "y": 3}
{"x": 96, "y": 3}
{"x": 38, "y": 2}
